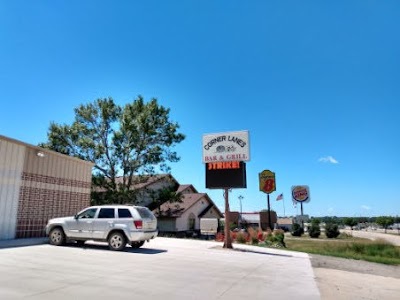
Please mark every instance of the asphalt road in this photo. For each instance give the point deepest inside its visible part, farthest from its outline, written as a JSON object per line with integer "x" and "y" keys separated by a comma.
{"x": 163, "y": 269}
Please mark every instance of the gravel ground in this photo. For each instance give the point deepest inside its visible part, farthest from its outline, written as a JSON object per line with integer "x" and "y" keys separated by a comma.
{"x": 340, "y": 278}
{"x": 391, "y": 237}
{"x": 352, "y": 265}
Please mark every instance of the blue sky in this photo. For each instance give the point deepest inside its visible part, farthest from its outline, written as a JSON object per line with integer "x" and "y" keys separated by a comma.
{"x": 316, "y": 84}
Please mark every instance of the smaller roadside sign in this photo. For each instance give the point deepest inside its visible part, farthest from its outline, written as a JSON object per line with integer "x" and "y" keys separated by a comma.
{"x": 301, "y": 193}
{"x": 267, "y": 181}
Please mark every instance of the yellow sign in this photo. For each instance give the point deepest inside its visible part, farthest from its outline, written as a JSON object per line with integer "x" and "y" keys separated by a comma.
{"x": 267, "y": 181}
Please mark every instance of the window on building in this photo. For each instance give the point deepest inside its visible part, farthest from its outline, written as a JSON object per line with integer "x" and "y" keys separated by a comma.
{"x": 192, "y": 221}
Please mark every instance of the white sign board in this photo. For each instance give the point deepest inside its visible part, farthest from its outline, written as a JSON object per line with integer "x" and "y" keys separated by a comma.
{"x": 227, "y": 146}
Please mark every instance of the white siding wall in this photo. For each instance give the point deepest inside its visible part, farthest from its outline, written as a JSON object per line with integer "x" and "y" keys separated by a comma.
{"x": 11, "y": 165}
{"x": 212, "y": 213}
{"x": 182, "y": 223}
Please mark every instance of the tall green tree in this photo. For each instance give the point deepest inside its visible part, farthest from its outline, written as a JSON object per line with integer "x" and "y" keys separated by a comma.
{"x": 384, "y": 221}
{"x": 123, "y": 142}
{"x": 168, "y": 194}
{"x": 350, "y": 222}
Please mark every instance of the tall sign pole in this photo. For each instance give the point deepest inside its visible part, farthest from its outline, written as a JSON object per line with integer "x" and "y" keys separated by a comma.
{"x": 267, "y": 185}
{"x": 227, "y": 240}
{"x": 301, "y": 193}
{"x": 269, "y": 214}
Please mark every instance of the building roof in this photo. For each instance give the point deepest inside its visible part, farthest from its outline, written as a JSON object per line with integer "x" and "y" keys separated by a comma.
{"x": 45, "y": 150}
{"x": 184, "y": 187}
{"x": 176, "y": 209}
{"x": 143, "y": 181}
{"x": 250, "y": 217}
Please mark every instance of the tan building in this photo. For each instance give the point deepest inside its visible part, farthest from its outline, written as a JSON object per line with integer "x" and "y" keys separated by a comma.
{"x": 185, "y": 216}
{"x": 38, "y": 184}
{"x": 256, "y": 220}
{"x": 285, "y": 223}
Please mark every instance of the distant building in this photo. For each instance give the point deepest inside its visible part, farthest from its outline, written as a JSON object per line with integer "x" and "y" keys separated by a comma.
{"x": 250, "y": 219}
{"x": 256, "y": 220}
{"x": 285, "y": 223}
{"x": 299, "y": 219}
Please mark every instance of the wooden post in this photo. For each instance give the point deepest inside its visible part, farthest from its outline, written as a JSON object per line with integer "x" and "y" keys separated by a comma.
{"x": 228, "y": 240}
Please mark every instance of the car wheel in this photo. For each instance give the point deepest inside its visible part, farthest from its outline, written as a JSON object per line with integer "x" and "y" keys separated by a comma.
{"x": 57, "y": 237}
{"x": 137, "y": 244}
{"x": 116, "y": 241}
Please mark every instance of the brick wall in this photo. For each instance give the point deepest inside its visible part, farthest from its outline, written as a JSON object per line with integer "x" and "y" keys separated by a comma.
{"x": 44, "y": 197}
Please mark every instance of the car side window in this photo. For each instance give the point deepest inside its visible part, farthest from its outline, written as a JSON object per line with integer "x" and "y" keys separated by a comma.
{"x": 88, "y": 214}
{"x": 106, "y": 213}
{"x": 124, "y": 213}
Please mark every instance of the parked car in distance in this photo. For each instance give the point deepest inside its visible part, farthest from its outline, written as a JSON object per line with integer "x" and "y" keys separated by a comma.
{"x": 115, "y": 224}
{"x": 208, "y": 226}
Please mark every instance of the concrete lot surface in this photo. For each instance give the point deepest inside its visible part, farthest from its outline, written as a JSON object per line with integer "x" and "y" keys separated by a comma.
{"x": 163, "y": 269}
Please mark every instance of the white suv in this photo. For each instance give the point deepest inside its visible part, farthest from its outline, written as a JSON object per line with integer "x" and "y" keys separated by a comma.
{"x": 116, "y": 224}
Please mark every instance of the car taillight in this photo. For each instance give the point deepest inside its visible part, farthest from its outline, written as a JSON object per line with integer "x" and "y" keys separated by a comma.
{"x": 138, "y": 224}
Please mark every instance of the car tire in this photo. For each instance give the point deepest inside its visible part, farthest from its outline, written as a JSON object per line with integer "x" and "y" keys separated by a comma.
{"x": 57, "y": 237}
{"x": 116, "y": 241}
{"x": 137, "y": 245}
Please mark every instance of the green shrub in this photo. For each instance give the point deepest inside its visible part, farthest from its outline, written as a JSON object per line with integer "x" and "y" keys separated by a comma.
{"x": 314, "y": 231}
{"x": 254, "y": 240}
{"x": 240, "y": 238}
{"x": 297, "y": 230}
{"x": 331, "y": 230}
{"x": 280, "y": 238}
{"x": 275, "y": 239}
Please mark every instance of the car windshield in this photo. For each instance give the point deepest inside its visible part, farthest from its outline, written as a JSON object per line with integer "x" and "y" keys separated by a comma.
{"x": 145, "y": 213}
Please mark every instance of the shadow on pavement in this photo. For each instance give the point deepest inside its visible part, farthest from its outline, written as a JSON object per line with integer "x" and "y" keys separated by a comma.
{"x": 128, "y": 249}
{"x": 17, "y": 243}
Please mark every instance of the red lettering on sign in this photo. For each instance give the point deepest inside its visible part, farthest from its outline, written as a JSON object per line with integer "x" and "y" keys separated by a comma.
{"x": 223, "y": 165}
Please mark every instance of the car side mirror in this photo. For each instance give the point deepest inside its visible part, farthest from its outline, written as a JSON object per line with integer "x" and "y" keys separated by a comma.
{"x": 76, "y": 217}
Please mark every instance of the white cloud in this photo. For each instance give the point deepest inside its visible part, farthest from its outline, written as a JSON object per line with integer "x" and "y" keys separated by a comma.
{"x": 328, "y": 159}
{"x": 365, "y": 207}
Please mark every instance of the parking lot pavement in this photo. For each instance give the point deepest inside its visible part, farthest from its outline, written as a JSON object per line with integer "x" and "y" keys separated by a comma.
{"x": 163, "y": 269}
{"x": 22, "y": 242}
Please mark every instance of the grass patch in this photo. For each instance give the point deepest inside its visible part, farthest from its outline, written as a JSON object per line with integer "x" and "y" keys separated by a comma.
{"x": 354, "y": 248}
